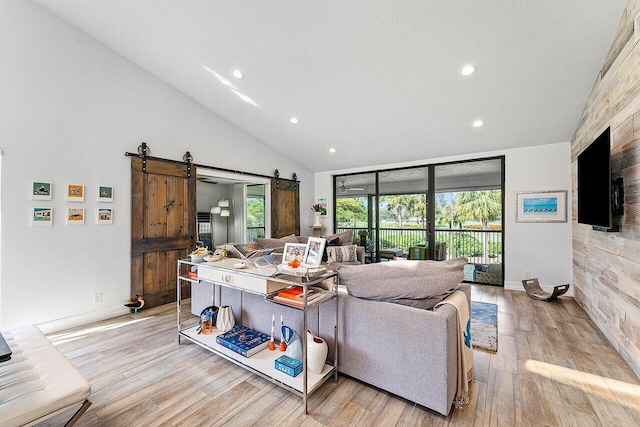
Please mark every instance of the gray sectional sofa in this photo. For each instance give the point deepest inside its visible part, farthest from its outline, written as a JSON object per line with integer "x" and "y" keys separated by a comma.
{"x": 385, "y": 338}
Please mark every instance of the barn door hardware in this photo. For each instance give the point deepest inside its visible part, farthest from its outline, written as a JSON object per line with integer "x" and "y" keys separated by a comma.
{"x": 188, "y": 159}
{"x": 143, "y": 151}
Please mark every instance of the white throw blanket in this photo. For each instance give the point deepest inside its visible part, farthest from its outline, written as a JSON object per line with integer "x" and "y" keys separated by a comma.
{"x": 458, "y": 299}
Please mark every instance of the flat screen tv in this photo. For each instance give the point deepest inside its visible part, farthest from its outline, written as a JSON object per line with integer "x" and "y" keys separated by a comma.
{"x": 594, "y": 183}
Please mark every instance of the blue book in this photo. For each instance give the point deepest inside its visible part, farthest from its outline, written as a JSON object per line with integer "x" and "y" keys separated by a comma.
{"x": 244, "y": 341}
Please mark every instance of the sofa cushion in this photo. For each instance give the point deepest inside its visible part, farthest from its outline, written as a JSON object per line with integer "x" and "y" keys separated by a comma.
{"x": 346, "y": 237}
{"x": 333, "y": 242}
{"x": 271, "y": 243}
{"x": 341, "y": 253}
{"x": 419, "y": 284}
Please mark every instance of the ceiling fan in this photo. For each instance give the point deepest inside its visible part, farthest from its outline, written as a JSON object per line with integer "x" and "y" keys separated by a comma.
{"x": 343, "y": 188}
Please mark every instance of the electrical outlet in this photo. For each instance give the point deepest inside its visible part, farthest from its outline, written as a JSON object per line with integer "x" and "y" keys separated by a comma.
{"x": 527, "y": 274}
{"x": 97, "y": 298}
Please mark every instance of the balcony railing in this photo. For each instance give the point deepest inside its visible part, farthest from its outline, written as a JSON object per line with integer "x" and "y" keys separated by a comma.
{"x": 478, "y": 246}
{"x": 253, "y": 232}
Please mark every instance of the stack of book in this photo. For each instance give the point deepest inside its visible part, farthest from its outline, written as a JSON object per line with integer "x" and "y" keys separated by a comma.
{"x": 295, "y": 296}
{"x": 244, "y": 341}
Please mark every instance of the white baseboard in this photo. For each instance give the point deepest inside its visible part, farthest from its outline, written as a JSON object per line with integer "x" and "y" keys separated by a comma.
{"x": 517, "y": 286}
{"x": 513, "y": 286}
{"x": 81, "y": 319}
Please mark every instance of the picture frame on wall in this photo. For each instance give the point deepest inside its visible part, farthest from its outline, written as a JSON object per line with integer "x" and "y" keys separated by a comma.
{"x": 541, "y": 206}
{"x": 41, "y": 190}
{"x": 294, "y": 251}
{"x": 75, "y": 216}
{"x": 105, "y": 193}
{"x": 75, "y": 193}
{"x": 315, "y": 251}
{"x": 105, "y": 216}
{"x": 42, "y": 216}
{"x": 322, "y": 201}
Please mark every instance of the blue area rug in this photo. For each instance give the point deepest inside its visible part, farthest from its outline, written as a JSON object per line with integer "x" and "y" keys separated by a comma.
{"x": 484, "y": 326}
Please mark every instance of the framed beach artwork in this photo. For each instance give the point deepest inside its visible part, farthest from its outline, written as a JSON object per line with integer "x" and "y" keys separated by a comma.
{"x": 41, "y": 190}
{"x": 105, "y": 193}
{"x": 541, "y": 206}
{"x": 315, "y": 251}
{"x": 75, "y": 216}
{"x": 105, "y": 216}
{"x": 42, "y": 216}
{"x": 294, "y": 251}
{"x": 75, "y": 193}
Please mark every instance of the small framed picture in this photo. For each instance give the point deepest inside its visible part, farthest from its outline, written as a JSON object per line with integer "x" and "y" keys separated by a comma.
{"x": 41, "y": 191}
{"x": 75, "y": 193}
{"x": 105, "y": 193}
{"x": 541, "y": 206}
{"x": 294, "y": 251}
{"x": 105, "y": 216}
{"x": 42, "y": 216}
{"x": 315, "y": 251}
{"x": 322, "y": 201}
{"x": 75, "y": 216}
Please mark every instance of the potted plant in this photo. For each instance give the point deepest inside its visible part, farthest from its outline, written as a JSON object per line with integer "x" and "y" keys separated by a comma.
{"x": 363, "y": 237}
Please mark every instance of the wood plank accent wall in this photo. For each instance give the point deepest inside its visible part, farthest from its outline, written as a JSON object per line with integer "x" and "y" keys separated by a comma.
{"x": 606, "y": 271}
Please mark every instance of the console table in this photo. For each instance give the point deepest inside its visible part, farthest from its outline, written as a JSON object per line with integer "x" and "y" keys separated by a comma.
{"x": 266, "y": 282}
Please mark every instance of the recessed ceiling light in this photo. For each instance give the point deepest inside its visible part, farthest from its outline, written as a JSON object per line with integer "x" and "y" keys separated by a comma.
{"x": 237, "y": 74}
{"x": 294, "y": 120}
{"x": 468, "y": 69}
{"x": 477, "y": 124}
{"x": 332, "y": 150}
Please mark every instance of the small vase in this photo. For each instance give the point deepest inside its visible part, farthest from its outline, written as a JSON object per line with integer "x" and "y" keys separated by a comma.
{"x": 316, "y": 219}
{"x": 225, "y": 320}
{"x": 317, "y": 350}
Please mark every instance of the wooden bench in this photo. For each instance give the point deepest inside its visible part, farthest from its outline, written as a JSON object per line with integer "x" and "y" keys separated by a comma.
{"x": 38, "y": 382}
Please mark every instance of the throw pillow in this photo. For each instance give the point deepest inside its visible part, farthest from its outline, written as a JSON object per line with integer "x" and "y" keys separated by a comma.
{"x": 334, "y": 242}
{"x": 420, "y": 284}
{"x": 271, "y": 243}
{"x": 341, "y": 254}
{"x": 346, "y": 237}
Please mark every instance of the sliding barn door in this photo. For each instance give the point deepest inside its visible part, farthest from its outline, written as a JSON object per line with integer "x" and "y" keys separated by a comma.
{"x": 163, "y": 227}
{"x": 285, "y": 207}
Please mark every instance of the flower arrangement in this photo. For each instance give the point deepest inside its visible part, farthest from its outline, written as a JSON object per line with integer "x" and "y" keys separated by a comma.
{"x": 317, "y": 207}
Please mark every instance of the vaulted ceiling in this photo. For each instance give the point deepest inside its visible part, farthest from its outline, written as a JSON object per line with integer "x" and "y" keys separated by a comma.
{"x": 378, "y": 81}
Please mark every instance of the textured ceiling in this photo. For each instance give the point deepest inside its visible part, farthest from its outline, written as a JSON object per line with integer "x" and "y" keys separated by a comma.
{"x": 377, "y": 80}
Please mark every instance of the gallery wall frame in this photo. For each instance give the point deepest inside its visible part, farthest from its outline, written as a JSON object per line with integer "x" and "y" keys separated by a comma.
{"x": 75, "y": 193}
{"x": 42, "y": 216}
{"x": 105, "y": 193}
{"x": 105, "y": 216}
{"x": 75, "y": 216}
{"x": 41, "y": 190}
{"x": 541, "y": 206}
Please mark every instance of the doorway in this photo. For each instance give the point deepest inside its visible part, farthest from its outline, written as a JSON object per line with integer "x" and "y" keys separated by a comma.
{"x": 231, "y": 207}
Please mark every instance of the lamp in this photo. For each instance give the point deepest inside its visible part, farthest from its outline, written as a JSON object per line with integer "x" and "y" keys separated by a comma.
{"x": 218, "y": 210}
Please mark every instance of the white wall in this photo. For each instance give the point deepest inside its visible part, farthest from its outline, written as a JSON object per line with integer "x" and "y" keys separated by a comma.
{"x": 69, "y": 109}
{"x": 542, "y": 248}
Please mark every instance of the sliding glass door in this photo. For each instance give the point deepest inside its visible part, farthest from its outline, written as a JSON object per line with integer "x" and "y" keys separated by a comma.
{"x": 469, "y": 216}
{"x": 433, "y": 212}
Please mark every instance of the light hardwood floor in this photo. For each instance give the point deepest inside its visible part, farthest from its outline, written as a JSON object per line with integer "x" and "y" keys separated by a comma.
{"x": 553, "y": 368}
